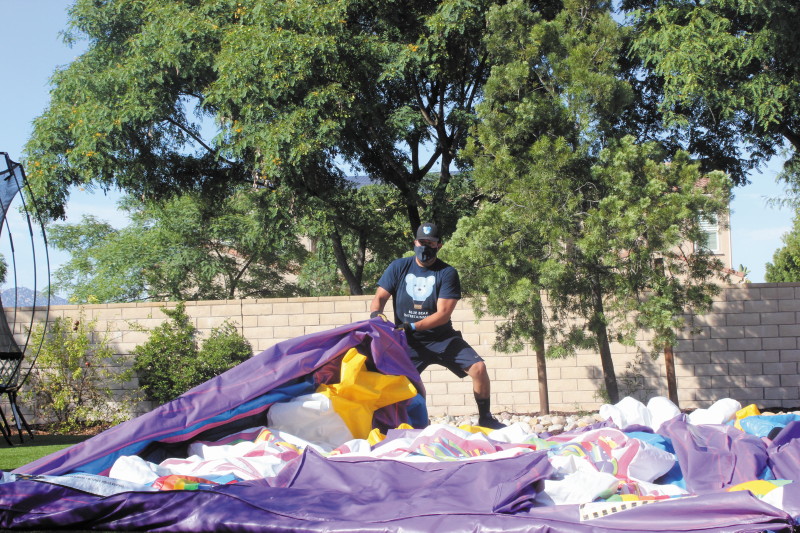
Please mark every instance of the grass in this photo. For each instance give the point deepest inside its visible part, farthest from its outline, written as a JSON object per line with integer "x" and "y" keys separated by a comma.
{"x": 12, "y": 457}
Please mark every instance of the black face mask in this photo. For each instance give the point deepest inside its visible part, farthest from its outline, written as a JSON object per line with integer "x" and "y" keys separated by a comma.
{"x": 425, "y": 253}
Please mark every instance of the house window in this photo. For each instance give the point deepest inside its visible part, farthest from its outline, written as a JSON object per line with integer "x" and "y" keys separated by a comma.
{"x": 710, "y": 228}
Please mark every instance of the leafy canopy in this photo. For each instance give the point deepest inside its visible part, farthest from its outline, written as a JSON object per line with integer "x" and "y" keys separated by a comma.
{"x": 729, "y": 76}
{"x": 202, "y": 95}
{"x": 579, "y": 211}
{"x": 182, "y": 249}
{"x": 785, "y": 264}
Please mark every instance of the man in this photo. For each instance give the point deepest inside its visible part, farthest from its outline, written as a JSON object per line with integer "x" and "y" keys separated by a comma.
{"x": 424, "y": 292}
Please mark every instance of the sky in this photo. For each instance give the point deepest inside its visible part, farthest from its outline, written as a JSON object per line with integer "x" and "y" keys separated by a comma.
{"x": 32, "y": 49}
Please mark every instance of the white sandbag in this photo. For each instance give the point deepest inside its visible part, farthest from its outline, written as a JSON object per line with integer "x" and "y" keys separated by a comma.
{"x": 627, "y": 412}
{"x": 609, "y": 411}
{"x": 661, "y": 409}
{"x": 312, "y": 418}
{"x": 725, "y": 409}
{"x": 720, "y": 412}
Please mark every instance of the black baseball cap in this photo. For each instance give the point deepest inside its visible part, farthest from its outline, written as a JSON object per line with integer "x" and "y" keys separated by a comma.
{"x": 428, "y": 231}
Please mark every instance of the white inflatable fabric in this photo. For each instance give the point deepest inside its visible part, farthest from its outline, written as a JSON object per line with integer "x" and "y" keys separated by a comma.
{"x": 630, "y": 411}
{"x": 578, "y": 487}
{"x": 720, "y": 412}
{"x": 310, "y": 417}
{"x": 661, "y": 409}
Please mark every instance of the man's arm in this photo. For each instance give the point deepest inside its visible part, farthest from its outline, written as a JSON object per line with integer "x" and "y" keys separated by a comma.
{"x": 444, "y": 309}
{"x": 379, "y": 301}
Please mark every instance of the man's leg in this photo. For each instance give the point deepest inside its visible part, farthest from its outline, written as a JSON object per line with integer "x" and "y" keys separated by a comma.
{"x": 480, "y": 380}
{"x": 481, "y": 388}
{"x": 417, "y": 409}
{"x": 462, "y": 360}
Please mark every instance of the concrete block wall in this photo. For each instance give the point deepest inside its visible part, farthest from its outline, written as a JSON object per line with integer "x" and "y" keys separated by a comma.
{"x": 746, "y": 348}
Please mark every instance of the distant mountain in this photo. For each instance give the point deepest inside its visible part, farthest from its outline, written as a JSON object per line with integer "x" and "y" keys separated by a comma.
{"x": 24, "y": 297}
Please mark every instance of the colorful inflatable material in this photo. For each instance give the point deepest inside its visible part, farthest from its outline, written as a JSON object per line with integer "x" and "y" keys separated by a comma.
{"x": 311, "y": 435}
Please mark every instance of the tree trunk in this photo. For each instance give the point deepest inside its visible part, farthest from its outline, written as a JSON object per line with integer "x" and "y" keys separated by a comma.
{"x": 672, "y": 384}
{"x": 344, "y": 267}
{"x": 541, "y": 368}
{"x": 609, "y": 376}
{"x": 598, "y": 327}
{"x": 440, "y": 191}
{"x": 791, "y": 136}
{"x": 413, "y": 216}
{"x": 541, "y": 361}
{"x": 669, "y": 359}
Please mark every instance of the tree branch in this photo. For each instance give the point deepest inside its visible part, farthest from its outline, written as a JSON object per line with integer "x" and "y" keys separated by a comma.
{"x": 791, "y": 136}
{"x": 430, "y": 120}
{"x": 197, "y": 139}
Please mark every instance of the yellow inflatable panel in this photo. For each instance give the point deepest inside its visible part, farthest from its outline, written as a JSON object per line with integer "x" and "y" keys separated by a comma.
{"x": 361, "y": 392}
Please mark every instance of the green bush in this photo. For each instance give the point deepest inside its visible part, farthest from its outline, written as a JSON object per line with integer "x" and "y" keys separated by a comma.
{"x": 69, "y": 386}
{"x": 170, "y": 363}
{"x": 224, "y": 349}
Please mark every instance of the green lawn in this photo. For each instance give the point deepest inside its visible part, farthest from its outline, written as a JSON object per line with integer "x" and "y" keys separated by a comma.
{"x": 12, "y": 457}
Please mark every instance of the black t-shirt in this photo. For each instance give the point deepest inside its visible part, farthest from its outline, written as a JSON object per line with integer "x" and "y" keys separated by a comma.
{"x": 416, "y": 289}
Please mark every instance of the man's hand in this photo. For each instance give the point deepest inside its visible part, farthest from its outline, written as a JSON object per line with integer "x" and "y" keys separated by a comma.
{"x": 378, "y": 313}
{"x": 408, "y": 327}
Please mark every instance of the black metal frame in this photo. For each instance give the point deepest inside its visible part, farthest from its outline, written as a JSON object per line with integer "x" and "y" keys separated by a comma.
{"x": 16, "y": 379}
{"x": 11, "y": 389}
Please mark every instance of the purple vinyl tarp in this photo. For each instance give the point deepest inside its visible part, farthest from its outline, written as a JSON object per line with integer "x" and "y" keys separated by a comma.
{"x": 371, "y": 504}
{"x": 240, "y": 394}
{"x": 364, "y": 494}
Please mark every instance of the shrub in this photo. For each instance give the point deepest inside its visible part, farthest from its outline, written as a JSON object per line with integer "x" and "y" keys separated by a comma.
{"x": 170, "y": 363}
{"x": 224, "y": 349}
{"x": 69, "y": 386}
{"x": 160, "y": 363}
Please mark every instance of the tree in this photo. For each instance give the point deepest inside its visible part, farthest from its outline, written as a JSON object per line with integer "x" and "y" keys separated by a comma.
{"x": 183, "y": 249}
{"x": 70, "y": 385}
{"x": 785, "y": 265}
{"x": 367, "y": 232}
{"x": 295, "y": 90}
{"x": 591, "y": 215}
{"x": 728, "y": 77}
{"x": 486, "y": 249}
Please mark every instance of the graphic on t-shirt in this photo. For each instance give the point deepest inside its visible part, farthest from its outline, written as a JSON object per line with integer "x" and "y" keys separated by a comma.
{"x": 419, "y": 288}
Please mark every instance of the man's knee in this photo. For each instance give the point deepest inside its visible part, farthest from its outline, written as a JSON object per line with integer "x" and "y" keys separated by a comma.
{"x": 477, "y": 370}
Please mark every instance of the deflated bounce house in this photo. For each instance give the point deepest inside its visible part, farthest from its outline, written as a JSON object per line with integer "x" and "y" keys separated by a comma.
{"x": 311, "y": 435}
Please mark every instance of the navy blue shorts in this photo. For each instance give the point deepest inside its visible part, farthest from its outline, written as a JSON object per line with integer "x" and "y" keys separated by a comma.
{"x": 453, "y": 353}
